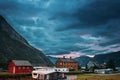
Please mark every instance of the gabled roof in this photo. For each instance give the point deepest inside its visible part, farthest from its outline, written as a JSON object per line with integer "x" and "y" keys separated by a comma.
{"x": 22, "y": 63}
{"x": 92, "y": 63}
{"x": 67, "y": 60}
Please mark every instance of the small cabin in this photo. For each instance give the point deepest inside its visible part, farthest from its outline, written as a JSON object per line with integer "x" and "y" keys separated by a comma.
{"x": 19, "y": 66}
{"x": 69, "y": 63}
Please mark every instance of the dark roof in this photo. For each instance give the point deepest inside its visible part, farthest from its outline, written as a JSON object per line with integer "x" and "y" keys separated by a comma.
{"x": 67, "y": 60}
{"x": 22, "y": 63}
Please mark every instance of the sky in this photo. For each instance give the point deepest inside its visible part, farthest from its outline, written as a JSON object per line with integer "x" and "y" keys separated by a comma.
{"x": 66, "y": 27}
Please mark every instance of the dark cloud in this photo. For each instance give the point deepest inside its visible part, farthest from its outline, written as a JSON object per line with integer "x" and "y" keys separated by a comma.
{"x": 19, "y": 8}
{"x": 99, "y": 12}
{"x": 6, "y": 4}
{"x": 61, "y": 26}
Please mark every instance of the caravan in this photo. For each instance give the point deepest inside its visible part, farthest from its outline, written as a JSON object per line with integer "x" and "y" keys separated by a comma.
{"x": 49, "y": 73}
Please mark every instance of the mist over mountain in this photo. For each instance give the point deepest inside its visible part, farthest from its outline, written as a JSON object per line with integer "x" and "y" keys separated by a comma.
{"x": 14, "y": 46}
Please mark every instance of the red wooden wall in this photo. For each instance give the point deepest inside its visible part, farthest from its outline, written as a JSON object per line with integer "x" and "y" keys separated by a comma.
{"x": 12, "y": 68}
{"x": 70, "y": 65}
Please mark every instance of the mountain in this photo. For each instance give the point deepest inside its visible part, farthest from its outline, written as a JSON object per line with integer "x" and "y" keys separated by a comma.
{"x": 53, "y": 59}
{"x": 101, "y": 58}
{"x": 83, "y": 60}
{"x": 14, "y": 47}
{"x": 115, "y": 56}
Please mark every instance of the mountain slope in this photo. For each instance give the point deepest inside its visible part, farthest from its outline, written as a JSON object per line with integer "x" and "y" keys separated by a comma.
{"x": 53, "y": 59}
{"x": 115, "y": 56}
{"x": 83, "y": 60}
{"x": 101, "y": 58}
{"x": 14, "y": 46}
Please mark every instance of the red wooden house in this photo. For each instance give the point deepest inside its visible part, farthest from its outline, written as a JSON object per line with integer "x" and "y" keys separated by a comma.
{"x": 19, "y": 66}
{"x": 69, "y": 63}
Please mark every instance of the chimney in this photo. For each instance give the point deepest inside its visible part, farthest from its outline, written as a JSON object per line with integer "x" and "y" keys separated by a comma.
{"x": 63, "y": 56}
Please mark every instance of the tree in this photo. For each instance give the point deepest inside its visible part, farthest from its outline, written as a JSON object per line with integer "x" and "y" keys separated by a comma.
{"x": 79, "y": 66}
{"x": 86, "y": 67}
{"x": 110, "y": 64}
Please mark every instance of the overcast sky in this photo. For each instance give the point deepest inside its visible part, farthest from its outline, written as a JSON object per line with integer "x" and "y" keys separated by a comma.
{"x": 66, "y": 27}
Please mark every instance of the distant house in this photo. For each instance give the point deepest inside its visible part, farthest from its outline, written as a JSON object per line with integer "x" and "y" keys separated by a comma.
{"x": 19, "y": 66}
{"x": 91, "y": 65}
{"x": 69, "y": 63}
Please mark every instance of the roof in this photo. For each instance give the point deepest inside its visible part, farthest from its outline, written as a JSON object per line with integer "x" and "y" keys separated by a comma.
{"x": 49, "y": 70}
{"x": 67, "y": 60}
{"x": 92, "y": 63}
{"x": 22, "y": 63}
{"x": 43, "y": 72}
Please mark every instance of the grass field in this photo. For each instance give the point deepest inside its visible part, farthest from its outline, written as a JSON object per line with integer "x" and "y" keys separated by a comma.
{"x": 9, "y": 76}
{"x": 98, "y": 77}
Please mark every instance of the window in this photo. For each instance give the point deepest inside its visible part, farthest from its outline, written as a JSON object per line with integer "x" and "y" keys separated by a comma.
{"x": 19, "y": 67}
{"x": 42, "y": 77}
{"x": 27, "y": 67}
{"x": 23, "y": 67}
{"x": 60, "y": 63}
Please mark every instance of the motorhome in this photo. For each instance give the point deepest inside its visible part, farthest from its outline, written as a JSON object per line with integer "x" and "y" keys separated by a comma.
{"x": 103, "y": 71}
{"x": 49, "y": 73}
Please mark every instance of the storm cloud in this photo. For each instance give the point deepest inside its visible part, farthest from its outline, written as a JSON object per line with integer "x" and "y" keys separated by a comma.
{"x": 60, "y": 27}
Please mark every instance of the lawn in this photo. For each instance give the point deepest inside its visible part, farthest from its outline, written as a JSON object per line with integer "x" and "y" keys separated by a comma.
{"x": 98, "y": 77}
{"x": 4, "y": 73}
{"x": 9, "y": 76}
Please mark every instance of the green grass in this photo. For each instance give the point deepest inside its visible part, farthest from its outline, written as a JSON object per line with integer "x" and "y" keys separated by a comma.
{"x": 98, "y": 77}
{"x": 10, "y": 74}
{"x": 4, "y": 73}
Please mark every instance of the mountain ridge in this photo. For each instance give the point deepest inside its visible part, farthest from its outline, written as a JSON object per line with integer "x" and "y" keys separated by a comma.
{"x": 10, "y": 30}
{"x": 115, "y": 56}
